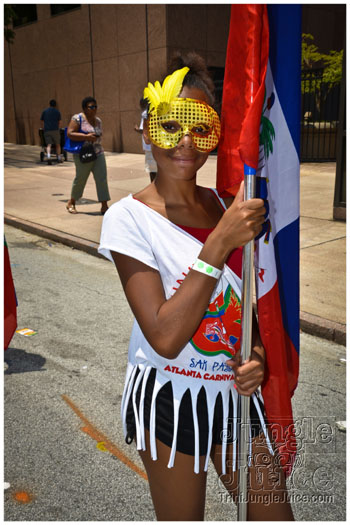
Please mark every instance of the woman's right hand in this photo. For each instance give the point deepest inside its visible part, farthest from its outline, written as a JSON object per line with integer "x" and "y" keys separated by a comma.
{"x": 91, "y": 137}
{"x": 74, "y": 133}
{"x": 241, "y": 222}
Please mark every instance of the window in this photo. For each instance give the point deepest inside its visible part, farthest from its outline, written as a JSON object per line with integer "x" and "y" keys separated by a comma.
{"x": 25, "y": 13}
{"x": 57, "y": 9}
{"x": 217, "y": 74}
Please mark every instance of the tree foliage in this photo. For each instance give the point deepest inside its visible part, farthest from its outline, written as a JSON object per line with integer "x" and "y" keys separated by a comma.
{"x": 333, "y": 67}
{"x": 311, "y": 58}
{"x": 309, "y": 52}
{"x": 329, "y": 66}
{"x": 9, "y": 16}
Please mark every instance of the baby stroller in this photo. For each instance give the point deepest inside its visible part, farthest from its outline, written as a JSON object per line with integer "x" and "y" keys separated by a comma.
{"x": 43, "y": 153}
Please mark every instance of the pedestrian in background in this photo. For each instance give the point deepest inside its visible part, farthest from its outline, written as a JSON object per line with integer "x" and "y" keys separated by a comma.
{"x": 150, "y": 163}
{"x": 88, "y": 127}
{"x": 52, "y": 122}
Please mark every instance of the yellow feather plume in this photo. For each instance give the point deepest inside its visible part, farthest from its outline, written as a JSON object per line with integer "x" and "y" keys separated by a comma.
{"x": 152, "y": 96}
{"x": 160, "y": 97}
{"x": 173, "y": 83}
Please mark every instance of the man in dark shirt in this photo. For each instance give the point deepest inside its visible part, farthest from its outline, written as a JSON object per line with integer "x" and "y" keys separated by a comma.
{"x": 51, "y": 119}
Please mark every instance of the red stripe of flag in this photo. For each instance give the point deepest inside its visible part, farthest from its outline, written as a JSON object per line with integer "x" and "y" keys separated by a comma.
{"x": 281, "y": 376}
{"x": 243, "y": 94}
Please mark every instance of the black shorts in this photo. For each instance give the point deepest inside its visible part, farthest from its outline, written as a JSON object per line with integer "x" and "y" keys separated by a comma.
{"x": 185, "y": 436}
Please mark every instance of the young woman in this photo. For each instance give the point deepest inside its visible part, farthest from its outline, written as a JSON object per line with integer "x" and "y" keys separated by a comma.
{"x": 87, "y": 126}
{"x": 177, "y": 249}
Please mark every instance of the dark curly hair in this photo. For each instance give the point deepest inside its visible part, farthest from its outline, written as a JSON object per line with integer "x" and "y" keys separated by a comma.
{"x": 198, "y": 75}
{"x": 87, "y": 101}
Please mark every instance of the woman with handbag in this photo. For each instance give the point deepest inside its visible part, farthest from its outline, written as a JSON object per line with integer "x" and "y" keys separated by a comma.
{"x": 85, "y": 129}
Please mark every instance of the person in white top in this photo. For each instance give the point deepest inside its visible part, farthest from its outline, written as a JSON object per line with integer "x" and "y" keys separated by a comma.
{"x": 150, "y": 163}
{"x": 177, "y": 249}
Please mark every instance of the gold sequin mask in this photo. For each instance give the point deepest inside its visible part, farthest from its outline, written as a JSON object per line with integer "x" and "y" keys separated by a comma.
{"x": 186, "y": 116}
{"x": 171, "y": 118}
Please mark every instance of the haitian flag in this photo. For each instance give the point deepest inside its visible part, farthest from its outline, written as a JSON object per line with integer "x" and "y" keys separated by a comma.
{"x": 243, "y": 95}
{"x": 277, "y": 248}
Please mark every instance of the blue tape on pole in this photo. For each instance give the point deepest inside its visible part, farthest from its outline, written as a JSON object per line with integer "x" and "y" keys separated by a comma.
{"x": 248, "y": 170}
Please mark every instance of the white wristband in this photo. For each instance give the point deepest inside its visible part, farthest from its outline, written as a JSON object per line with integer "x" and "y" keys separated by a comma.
{"x": 208, "y": 269}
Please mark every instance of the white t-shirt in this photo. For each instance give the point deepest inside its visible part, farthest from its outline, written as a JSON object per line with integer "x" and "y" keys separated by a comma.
{"x": 134, "y": 229}
{"x": 146, "y": 147}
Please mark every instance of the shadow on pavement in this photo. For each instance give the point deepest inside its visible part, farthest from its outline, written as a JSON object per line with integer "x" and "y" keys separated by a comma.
{"x": 19, "y": 361}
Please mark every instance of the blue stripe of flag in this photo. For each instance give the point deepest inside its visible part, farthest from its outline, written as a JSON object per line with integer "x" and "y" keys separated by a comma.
{"x": 287, "y": 265}
{"x": 285, "y": 48}
{"x": 285, "y": 62}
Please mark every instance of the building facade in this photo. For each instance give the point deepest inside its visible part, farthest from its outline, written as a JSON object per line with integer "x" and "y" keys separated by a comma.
{"x": 110, "y": 51}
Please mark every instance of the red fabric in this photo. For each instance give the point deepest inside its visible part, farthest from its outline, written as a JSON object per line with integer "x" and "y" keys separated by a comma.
{"x": 243, "y": 94}
{"x": 234, "y": 260}
{"x": 281, "y": 370}
{"x": 10, "y": 303}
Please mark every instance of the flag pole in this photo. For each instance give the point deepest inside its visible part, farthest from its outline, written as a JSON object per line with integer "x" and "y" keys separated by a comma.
{"x": 242, "y": 103}
{"x": 247, "y": 324}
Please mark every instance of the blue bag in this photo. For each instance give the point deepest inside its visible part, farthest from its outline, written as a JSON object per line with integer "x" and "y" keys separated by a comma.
{"x": 73, "y": 146}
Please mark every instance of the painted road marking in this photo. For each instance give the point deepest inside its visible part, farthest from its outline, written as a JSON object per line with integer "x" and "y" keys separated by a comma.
{"x": 22, "y": 497}
{"x": 101, "y": 446}
{"x": 100, "y": 438}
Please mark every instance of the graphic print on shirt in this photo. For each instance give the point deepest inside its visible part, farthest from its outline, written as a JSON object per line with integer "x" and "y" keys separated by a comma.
{"x": 220, "y": 328}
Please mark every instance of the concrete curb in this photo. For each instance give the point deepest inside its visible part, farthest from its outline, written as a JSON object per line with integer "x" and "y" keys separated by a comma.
{"x": 54, "y": 235}
{"x": 309, "y": 323}
{"x": 331, "y": 330}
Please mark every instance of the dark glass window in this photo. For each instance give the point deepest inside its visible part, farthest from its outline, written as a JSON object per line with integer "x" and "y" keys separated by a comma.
{"x": 25, "y": 13}
{"x": 217, "y": 74}
{"x": 57, "y": 9}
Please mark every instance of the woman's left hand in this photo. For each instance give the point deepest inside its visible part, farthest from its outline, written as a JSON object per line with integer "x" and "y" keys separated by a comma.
{"x": 249, "y": 375}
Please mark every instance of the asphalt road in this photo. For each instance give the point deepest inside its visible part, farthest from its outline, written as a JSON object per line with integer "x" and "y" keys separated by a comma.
{"x": 65, "y": 456}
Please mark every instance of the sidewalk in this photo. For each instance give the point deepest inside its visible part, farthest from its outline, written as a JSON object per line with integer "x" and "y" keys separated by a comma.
{"x": 35, "y": 196}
